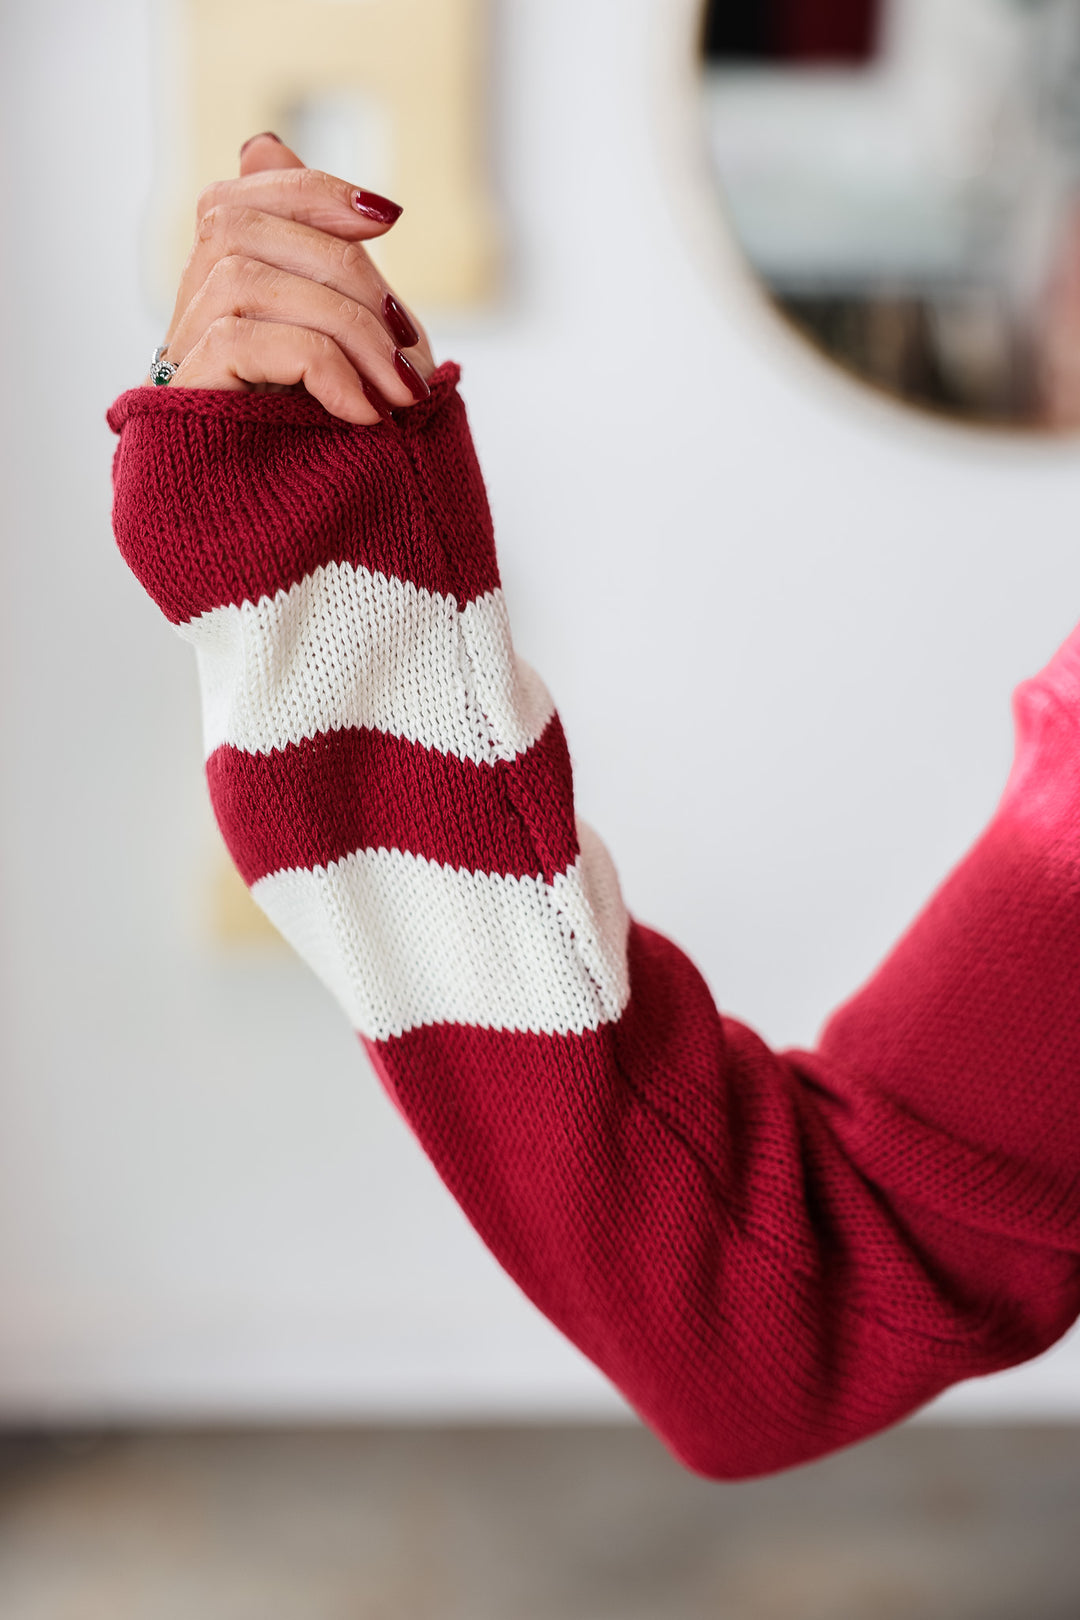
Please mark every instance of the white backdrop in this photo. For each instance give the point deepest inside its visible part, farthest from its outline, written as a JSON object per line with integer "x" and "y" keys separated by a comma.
{"x": 782, "y": 621}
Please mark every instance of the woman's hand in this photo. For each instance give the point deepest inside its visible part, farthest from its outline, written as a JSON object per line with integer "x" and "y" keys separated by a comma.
{"x": 279, "y": 290}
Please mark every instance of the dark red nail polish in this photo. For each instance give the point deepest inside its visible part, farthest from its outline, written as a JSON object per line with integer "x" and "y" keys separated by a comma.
{"x": 409, "y": 375}
{"x": 401, "y": 327}
{"x": 375, "y": 398}
{"x": 372, "y": 206}
{"x": 266, "y": 134}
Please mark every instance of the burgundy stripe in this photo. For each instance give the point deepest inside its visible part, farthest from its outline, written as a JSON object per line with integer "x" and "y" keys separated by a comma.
{"x": 224, "y": 497}
{"x": 319, "y": 800}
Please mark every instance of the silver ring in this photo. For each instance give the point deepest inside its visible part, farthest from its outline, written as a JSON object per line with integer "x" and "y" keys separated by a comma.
{"x": 161, "y": 371}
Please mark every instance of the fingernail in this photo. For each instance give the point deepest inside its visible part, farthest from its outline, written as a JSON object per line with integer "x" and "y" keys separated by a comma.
{"x": 401, "y": 327}
{"x": 376, "y": 399}
{"x": 409, "y": 375}
{"x": 372, "y": 206}
{"x": 266, "y": 134}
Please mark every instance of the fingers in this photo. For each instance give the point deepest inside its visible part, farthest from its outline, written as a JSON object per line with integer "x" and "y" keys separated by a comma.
{"x": 299, "y": 197}
{"x": 344, "y": 267}
{"x": 253, "y": 290}
{"x": 281, "y": 247}
{"x": 308, "y": 195}
{"x": 236, "y": 353}
{"x": 228, "y": 231}
{"x": 267, "y": 151}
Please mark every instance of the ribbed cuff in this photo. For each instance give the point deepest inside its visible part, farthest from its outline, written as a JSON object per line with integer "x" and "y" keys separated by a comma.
{"x": 222, "y": 498}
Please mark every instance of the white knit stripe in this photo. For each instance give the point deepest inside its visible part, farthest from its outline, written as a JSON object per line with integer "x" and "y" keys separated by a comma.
{"x": 402, "y": 942}
{"x": 349, "y": 647}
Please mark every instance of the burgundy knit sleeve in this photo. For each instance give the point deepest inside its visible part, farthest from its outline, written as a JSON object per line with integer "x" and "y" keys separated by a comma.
{"x": 771, "y": 1254}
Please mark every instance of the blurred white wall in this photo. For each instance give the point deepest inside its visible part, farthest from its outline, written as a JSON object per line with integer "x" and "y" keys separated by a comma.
{"x": 782, "y": 621}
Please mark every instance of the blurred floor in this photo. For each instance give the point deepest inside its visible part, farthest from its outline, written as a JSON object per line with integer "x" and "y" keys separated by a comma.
{"x": 533, "y": 1524}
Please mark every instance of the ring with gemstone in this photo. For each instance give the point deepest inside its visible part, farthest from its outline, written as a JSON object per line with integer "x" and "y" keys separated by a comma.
{"x": 161, "y": 371}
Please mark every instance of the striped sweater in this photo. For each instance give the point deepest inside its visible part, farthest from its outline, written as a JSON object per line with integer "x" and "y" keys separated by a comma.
{"x": 772, "y": 1254}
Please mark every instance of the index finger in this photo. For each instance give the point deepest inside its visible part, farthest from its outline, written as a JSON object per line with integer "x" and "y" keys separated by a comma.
{"x": 309, "y": 196}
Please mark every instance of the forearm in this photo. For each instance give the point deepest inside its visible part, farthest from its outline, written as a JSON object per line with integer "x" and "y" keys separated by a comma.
{"x": 771, "y": 1255}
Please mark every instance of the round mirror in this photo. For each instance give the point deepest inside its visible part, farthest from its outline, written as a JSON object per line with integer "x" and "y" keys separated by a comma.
{"x": 904, "y": 177}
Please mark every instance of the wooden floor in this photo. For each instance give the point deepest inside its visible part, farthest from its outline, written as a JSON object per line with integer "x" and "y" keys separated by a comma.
{"x": 533, "y": 1524}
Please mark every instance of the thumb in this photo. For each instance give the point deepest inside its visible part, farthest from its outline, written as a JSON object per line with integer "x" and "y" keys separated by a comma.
{"x": 267, "y": 151}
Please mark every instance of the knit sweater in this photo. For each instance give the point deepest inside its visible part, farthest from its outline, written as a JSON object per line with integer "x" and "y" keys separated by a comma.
{"x": 771, "y": 1254}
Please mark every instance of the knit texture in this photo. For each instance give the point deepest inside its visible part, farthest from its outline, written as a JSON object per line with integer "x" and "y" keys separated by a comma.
{"x": 771, "y": 1254}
